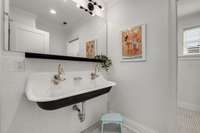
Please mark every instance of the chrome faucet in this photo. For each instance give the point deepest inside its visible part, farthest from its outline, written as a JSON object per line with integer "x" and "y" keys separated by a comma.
{"x": 94, "y": 74}
{"x": 60, "y": 76}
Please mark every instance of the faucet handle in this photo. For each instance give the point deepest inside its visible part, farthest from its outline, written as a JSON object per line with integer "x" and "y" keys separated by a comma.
{"x": 61, "y": 69}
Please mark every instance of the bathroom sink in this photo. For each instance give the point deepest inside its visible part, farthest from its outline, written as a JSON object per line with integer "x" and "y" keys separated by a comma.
{"x": 77, "y": 87}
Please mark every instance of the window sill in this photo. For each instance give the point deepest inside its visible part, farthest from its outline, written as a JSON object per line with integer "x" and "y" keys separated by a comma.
{"x": 195, "y": 57}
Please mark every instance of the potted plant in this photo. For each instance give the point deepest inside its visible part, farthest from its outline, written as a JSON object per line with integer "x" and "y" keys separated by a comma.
{"x": 104, "y": 65}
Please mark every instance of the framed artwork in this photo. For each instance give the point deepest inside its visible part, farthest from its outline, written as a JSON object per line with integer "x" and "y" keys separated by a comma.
{"x": 91, "y": 48}
{"x": 134, "y": 43}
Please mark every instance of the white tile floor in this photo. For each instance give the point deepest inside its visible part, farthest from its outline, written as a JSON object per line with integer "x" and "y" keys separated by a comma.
{"x": 123, "y": 131}
{"x": 188, "y": 121}
{"x": 112, "y": 129}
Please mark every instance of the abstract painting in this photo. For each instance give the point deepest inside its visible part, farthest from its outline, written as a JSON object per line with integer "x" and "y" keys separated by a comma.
{"x": 90, "y": 48}
{"x": 133, "y": 44}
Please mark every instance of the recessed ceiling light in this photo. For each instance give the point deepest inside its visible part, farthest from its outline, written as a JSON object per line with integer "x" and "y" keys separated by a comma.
{"x": 52, "y": 11}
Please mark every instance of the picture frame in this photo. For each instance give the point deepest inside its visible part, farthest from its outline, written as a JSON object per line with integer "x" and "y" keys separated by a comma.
{"x": 133, "y": 43}
{"x": 91, "y": 48}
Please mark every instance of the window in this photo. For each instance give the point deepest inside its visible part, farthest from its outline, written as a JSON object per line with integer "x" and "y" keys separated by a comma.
{"x": 191, "y": 41}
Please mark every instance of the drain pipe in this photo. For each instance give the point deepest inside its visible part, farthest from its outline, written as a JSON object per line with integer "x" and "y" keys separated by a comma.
{"x": 81, "y": 112}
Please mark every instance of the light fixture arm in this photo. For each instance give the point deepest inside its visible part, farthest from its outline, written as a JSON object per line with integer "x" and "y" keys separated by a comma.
{"x": 90, "y": 7}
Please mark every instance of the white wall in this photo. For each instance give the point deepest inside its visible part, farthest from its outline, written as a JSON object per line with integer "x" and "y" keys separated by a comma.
{"x": 18, "y": 115}
{"x": 188, "y": 68}
{"x": 1, "y": 41}
{"x": 188, "y": 83}
{"x": 144, "y": 91}
{"x": 143, "y": 98}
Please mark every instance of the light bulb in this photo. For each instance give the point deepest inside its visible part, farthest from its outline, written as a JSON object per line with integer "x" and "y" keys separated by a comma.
{"x": 78, "y": 6}
{"x": 52, "y": 11}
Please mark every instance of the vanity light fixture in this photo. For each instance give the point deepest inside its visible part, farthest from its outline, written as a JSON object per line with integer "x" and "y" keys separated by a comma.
{"x": 96, "y": 4}
{"x": 52, "y": 11}
{"x": 85, "y": 9}
{"x": 91, "y": 5}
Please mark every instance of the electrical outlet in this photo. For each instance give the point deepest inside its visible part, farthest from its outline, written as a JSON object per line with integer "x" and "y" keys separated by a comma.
{"x": 20, "y": 66}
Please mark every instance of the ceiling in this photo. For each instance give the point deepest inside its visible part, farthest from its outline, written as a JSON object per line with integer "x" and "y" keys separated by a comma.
{"x": 187, "y": 7}
{"x": 66, "y": 10}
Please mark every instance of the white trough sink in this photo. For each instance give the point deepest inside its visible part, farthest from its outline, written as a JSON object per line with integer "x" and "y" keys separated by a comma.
{"x": 76, "y": 87}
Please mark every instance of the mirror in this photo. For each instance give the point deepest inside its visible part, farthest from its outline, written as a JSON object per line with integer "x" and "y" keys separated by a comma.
{"x": 62, "y": 27}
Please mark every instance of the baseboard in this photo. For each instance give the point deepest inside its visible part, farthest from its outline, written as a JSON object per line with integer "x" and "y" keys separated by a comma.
{"x": 189, "y": 106}
{"x": 137, "y": 127}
